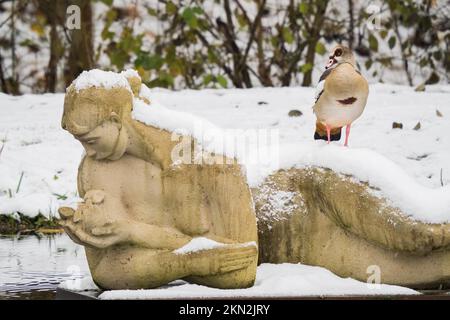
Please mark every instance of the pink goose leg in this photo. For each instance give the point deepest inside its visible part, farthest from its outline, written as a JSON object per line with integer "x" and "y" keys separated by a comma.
{"x": 328, "y": 133}
{"x": 347, "y": 134}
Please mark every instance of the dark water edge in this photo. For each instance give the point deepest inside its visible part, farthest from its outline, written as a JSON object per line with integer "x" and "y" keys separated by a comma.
{"x": 32, "y": 266}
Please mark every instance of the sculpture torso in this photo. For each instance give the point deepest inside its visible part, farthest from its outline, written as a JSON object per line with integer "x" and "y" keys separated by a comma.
{"x": 135, "y": 182}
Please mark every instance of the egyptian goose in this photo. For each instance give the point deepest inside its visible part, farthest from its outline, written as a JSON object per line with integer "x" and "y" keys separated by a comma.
{"x": 341, "y": 96}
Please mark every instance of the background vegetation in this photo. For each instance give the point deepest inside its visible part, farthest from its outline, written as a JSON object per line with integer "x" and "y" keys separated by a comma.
{"x": 221, "y": 43}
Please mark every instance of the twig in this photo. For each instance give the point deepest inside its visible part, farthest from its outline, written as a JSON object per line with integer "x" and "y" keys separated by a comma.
{"x": 6, "y": 21}
{"x": 442, "y": 179}
{"x": 229, "y": 15}
{"x": 252, "y": 30}
{"x": 244, "y": 12}
{"x": 402, "y": 51}
{"x": 20, "y": 182}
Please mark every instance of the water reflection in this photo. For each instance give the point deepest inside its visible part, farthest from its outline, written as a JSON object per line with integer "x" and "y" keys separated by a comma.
{"x": 32, "y": 267}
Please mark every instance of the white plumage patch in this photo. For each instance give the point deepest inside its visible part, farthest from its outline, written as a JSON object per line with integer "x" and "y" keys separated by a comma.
{"x": 319, "y": 89}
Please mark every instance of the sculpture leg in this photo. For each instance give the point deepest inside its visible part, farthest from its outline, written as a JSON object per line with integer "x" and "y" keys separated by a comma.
{"x": 239, "y": 279}
{"x": 136, "y": 268}
{"x": 139, "y": 268}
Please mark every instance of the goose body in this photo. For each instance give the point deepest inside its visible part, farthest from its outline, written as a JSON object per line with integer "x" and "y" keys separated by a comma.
{"x": 341, "y": 98}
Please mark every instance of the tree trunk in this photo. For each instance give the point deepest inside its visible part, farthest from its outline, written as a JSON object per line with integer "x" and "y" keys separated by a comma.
{"x": 310, "y": 57}
{"x": 81, "y": 55}
{"x": 402, "y": 50}
{"x": 51, "y": 76}
{"x": 351, "y": 27}
{"x": 2, "y": 77}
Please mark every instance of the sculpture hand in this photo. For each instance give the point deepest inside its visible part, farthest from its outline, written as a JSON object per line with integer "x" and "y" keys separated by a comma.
{"x": 222, "y": 260}
{"x": 66, "y": 214}
{"x": 92, "y": 224}
{"x": 99, "y": 238}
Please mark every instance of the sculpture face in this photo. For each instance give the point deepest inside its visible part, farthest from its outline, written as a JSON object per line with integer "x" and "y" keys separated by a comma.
{"x": 91, "y": 116}
{"x": 101, "y": 142}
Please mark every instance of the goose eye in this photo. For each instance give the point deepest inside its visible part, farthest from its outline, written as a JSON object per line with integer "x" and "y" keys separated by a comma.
{"x": 338, "y": 53}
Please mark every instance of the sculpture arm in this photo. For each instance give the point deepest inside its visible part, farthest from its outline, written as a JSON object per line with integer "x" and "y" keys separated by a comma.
{"x": 156, "y": 237}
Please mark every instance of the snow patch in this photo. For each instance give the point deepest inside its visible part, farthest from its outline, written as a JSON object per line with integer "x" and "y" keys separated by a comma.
{"x": 79, "y": 284}
{"x": 431, "y": 205}
{"x": 101, "y": 79}
{"x": 198, "y": 244}
{"x": 202, "y": 243}
{"x": 209, "y": 137}
{"x": 130, "y": 73}
{"x": 277, "y": 204}
{"x": 272, "y": 280}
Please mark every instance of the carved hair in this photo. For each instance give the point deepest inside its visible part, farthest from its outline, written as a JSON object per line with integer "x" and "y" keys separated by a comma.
{"x": 87, "y": 108}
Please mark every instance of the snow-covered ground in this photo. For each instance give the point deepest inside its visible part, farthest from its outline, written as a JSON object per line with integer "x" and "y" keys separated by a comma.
{"x": 272, "y": 280}
{"x": 408, "y": 165}
{"x": 33, "y": 143}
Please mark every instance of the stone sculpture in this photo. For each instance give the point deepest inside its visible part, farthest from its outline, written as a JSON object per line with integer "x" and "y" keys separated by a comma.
{"x": 140, "y": 209}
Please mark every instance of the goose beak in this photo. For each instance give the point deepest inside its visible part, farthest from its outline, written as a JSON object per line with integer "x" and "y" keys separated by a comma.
{"x": 330, "y": 63}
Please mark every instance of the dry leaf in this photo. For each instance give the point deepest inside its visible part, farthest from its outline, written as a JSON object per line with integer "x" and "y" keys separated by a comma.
{"x": 420, "y": 88}
{"x": 397, "y": 125}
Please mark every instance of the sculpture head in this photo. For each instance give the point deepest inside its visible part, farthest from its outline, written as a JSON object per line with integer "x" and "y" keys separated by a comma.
{"x": 340, "y": 54}
{"x": 95, "y": 116}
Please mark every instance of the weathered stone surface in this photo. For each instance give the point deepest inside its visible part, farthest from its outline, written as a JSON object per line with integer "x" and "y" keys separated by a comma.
{"x": 338, "y": 223}
{"x": 139, "y": 208}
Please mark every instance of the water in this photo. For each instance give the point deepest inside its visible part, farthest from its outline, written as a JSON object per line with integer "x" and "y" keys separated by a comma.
{"x": 31, "y": 267}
